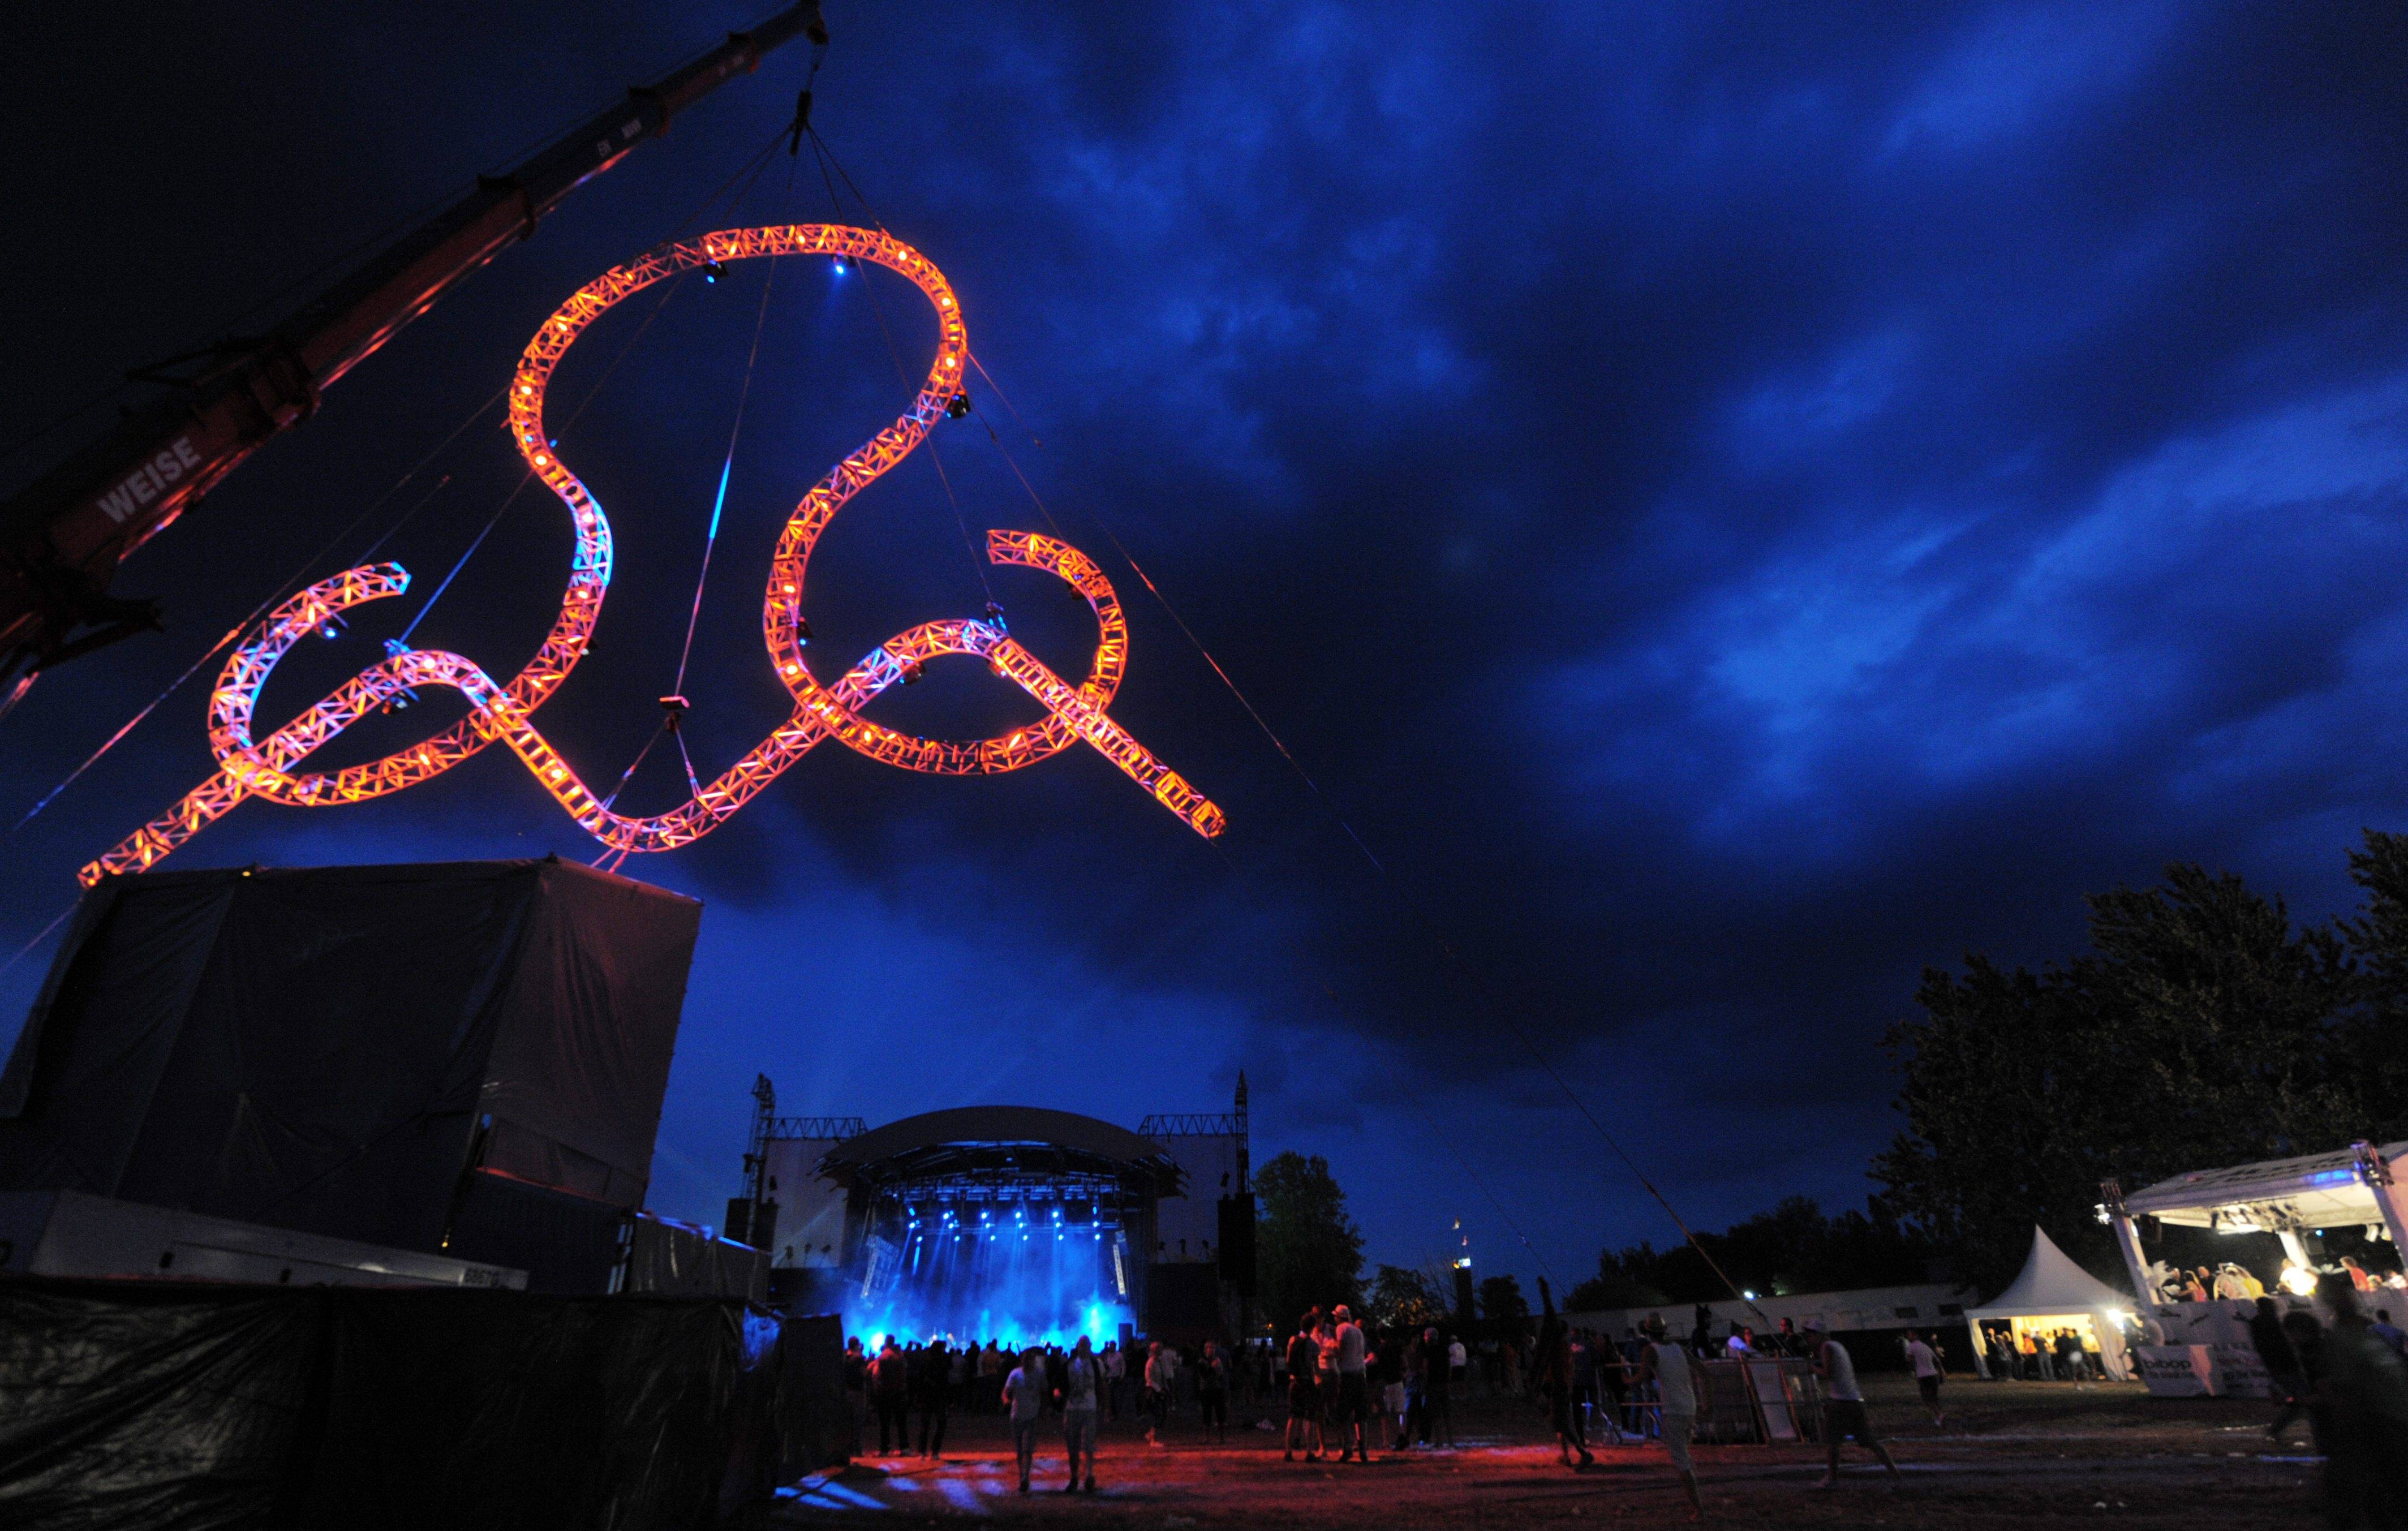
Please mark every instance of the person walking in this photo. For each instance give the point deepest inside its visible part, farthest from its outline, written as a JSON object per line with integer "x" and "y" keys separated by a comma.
{"x": 1843, "y": 1410}
{"x": 2362, "y": 1397}
{"x": 1082, "y": 1381}
{"x": 1554, "y": 1378}
{"x": 1354, "y": 1391}
{"x": 1304, "y": 1391}
{"x": 1923, "y": 1356}
{"x": 1213, "y": 1391}
{"x": 2282, "y": 1363}
{"x": 2305, "y": 1336}
{"x": 890, "y": 1393}
{"x": 1667, "y": 1366}
{"x": 1023, "y": 1394}
{"x": 936, "y": 1397}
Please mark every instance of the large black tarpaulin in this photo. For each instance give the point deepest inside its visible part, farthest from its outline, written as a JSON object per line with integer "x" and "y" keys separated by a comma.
{"x": 160, "y": 1404}
{"x": 334, "y": 1049}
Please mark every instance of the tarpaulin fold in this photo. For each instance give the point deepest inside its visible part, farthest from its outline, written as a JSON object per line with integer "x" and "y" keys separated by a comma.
{"x": 159, "y": 1404}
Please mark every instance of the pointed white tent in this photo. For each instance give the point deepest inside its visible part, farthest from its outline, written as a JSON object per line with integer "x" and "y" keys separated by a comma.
{"x": 2053, "y": 1287}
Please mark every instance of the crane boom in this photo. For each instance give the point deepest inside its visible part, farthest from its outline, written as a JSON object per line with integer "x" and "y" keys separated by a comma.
{"x": 63, "y": 536}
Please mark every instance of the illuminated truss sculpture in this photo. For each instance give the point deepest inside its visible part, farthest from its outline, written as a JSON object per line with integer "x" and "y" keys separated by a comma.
{"x": 251, "y": 767}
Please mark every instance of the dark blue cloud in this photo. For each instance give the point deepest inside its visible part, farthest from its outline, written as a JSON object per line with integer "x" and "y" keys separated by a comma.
{"x": 1734, "y": 503}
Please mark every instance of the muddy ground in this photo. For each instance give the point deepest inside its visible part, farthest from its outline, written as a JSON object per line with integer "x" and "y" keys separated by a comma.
{"x": 2009, "y": 1453}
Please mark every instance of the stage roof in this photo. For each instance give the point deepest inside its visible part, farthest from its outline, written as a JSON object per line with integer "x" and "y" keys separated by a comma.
{"x": 2309, "y": 1191}
{"x": 1001, "y": 1140}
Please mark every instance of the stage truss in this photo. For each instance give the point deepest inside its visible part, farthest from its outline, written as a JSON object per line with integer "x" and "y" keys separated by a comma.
{"x": 249, "y": 767}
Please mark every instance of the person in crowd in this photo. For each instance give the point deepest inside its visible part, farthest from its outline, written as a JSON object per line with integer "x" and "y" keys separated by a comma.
{"x": 857, "y": 1386}
{"x": 2191, "y": 1289}
{"x": 2275, "y": 1354}
{"x": 1386, "y": 1373}
{"x": 936, "y": 1401}
{"x": 1667, "y": 1366}
{"x": 1413, "y": 1364}
{"x": 2359, "y": 1280}
{"x": 1157, "y": 1392}
{"x": 1459, "y": 1361}
{"x": 2041, "y": 1351}
{"x": 1115, "y": 1376}
{"x": 1555, "y": 1380}
{"x": 1352, "y": 1356}
{"x": 1583, "y": 1379}
{"x": 2070, "y": 1361}
{"x": 2305, "y": 1336}
{"x": 2003, "y": 1358}
{"x": 2362, "y": 1394}
{"x": 1923, "y": 1354}
{"x": 1083, "y": 1380}
{"x": 1438, "y": 1391}
{"x": 890, "y": 1393}
{"x": 1213, "y": 1391}
{"x": 1024, "y": 1398}
{"x": 2387, "y": 1331}
{"x": 991, "y": 1369}
{"x": 1304, "y": 1390}
{"x": 1844, "y": 1408}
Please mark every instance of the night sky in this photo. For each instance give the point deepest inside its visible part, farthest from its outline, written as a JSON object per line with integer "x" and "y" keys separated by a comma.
{"x": 1732, "y": 504}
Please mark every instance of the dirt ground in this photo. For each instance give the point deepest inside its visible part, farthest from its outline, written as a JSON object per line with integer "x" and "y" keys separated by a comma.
{"x": 2010, "y": 1453}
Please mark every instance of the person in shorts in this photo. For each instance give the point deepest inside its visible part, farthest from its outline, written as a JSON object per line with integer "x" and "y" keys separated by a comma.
{"x": 1304, "y": 1391}
{"x": 1844, "y": 1404}
{"x": 1676, "y": 1392}
{"x": 1351, "y": 1356}
{"x": 1923, "y": 1354}
{"x": 1024, "y": 1395}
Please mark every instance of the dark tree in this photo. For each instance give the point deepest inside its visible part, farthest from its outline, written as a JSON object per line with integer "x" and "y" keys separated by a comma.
{"x": 1791, "y": 1248}
{"x": 1307, "y": 1250}
{"x": 1402, "y": 1299}
{"x": 2202, "y": 1029}
{"x": 1504, "y": 1307}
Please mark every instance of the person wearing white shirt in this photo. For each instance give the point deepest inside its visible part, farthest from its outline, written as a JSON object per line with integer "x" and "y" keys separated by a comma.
{"x": 1927, "y": 1373}
{"x": 1844, "y": 1408}
{"x": 1676, "y": 1394}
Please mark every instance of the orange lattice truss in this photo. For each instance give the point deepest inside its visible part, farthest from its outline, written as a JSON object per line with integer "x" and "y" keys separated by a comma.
{"x": 249, "y": 767}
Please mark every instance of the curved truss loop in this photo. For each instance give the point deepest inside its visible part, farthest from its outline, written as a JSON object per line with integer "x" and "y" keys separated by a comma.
{"x": 249, "y": 767}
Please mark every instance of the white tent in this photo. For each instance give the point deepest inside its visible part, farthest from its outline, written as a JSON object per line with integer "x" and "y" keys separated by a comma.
{"x": 2052, "y": 1289}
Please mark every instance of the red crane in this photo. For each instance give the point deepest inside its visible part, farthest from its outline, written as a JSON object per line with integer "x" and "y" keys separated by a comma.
{"x": 63, "y": 536}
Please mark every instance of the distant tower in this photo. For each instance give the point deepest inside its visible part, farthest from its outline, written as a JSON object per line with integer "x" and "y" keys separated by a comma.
{"x": 1463, "y": 1309}
{"x": 1245, "y": 1157}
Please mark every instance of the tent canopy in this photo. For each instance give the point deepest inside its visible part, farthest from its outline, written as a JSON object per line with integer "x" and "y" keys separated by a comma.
{"x": 2052, "y": 1284}
{"x": 2309, "y": 1191}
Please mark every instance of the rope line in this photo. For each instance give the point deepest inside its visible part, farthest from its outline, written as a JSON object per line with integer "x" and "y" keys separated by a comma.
{"x": 969, "y": 544}
{"x": 1394, "y": 885}
{"x": 758, "y": 163}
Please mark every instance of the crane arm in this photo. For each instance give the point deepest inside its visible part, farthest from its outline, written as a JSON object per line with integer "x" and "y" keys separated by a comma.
{"x": 63, "y": 536}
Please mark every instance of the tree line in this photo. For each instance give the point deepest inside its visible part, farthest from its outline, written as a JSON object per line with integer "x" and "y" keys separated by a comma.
{"x": 2203, "y": 1026}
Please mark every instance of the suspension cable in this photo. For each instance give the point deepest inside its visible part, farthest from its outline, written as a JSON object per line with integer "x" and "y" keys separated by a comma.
{"x": 1394, "y": 884}
{"x": 826, "y": 157}
{"x": 758, "y": 163}
{"x": 292, "y": 582}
